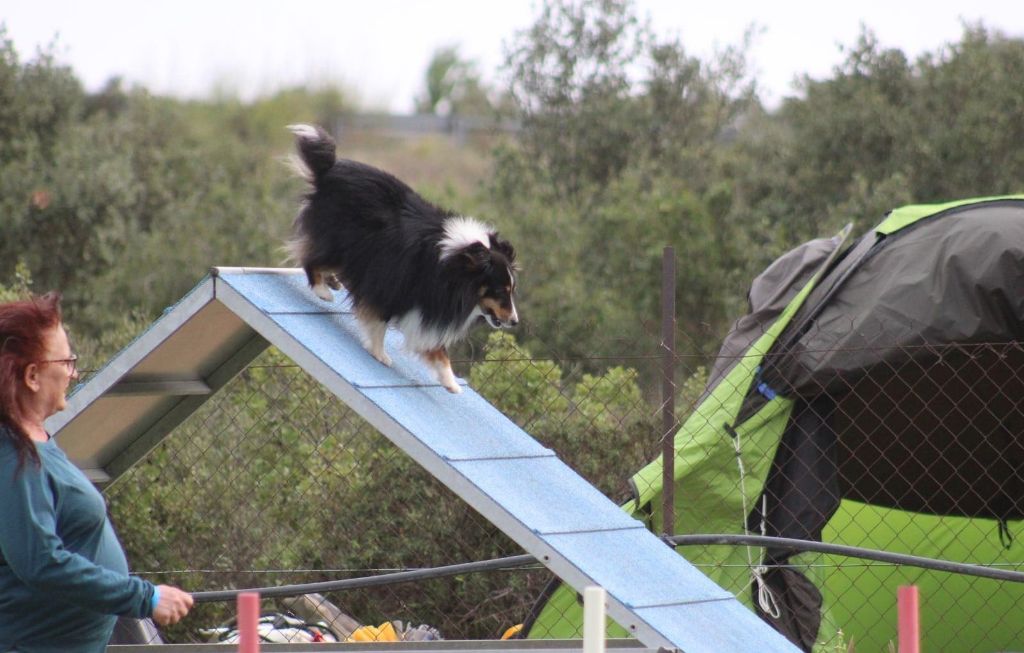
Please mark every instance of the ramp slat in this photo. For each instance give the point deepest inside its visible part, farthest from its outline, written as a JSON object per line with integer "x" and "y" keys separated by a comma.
{"x": 641, "y": 568}
{"x": 555, "y": 500}
{"x": 476, "y": 430}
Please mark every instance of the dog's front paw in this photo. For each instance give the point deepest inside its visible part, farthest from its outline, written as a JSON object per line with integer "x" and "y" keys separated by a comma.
{"x": 448, "y": 382}
{"x": 383, "y": 357}
{"x": 453, "y": 388}
{"x": 323, "y": 292}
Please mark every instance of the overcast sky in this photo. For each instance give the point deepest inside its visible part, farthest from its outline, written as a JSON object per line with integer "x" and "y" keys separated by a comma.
{"x": 380, "y": 48}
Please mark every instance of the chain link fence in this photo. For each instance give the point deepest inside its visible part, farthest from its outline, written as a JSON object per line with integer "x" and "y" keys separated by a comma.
{"x": 275, "y": 482}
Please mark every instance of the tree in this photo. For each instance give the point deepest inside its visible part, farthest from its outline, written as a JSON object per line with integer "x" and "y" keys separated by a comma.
{"x": 623, "y": 142}
{"x": 973, "y": 118}
{"x": 569, "y": 75}
{"x": 18, "y": 287}
{"x": 884, "y": 131}
{"x": 597, "y": 90}
{"x": 453, "y": 86}
{"x": 123, "y": 200}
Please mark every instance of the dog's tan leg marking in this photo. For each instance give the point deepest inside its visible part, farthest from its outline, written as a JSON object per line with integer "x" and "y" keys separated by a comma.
{"x": 374, "y": 330}
{"x": 320, "y": 286}
{"x": 376, "y": 334}
{"x": 442, "y": 366}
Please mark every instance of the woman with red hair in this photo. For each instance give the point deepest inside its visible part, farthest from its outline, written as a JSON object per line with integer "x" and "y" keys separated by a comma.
{"x": 63, "y": 573}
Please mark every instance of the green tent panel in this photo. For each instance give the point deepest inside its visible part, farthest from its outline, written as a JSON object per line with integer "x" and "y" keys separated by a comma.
{"x": 958, "y": 613}
{"x": 868, "y": 397}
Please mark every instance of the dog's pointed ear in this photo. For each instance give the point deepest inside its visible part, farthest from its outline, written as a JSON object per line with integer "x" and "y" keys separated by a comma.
{"x": 498, "y": 244}
{"x": 473, "y": 258}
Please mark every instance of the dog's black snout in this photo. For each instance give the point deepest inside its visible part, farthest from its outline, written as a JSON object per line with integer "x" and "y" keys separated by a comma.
{"x": 513, "y": 322}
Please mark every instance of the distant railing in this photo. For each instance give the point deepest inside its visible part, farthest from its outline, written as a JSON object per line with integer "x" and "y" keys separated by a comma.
{"x": 458, "y": 127}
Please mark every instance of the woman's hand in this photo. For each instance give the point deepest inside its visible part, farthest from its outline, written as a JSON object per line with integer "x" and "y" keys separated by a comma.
{"x": 173, "y": 605}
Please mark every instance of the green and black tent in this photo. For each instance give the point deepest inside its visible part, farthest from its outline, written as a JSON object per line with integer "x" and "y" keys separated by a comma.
{"x": 872, "y": 396}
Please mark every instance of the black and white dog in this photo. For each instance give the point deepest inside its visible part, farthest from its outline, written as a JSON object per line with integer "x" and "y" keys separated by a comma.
{"x": 426, "y": 271}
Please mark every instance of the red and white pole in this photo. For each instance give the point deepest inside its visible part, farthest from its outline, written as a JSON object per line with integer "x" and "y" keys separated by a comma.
{"x": 248, "y": 622}
{"x": 908, "y": 607}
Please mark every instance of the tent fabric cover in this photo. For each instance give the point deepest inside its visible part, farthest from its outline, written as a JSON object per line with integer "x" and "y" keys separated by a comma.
{"x": 770, "y": 293}
{"x": 843, "y": 347}
{"x": 951, "y": 279}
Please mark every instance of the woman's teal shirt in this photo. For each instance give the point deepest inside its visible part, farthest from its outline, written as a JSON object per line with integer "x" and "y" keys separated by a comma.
{"x": 63, "y": 572}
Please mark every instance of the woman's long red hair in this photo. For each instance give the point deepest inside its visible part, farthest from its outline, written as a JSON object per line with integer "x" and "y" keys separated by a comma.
{"x": 23, "y": 327}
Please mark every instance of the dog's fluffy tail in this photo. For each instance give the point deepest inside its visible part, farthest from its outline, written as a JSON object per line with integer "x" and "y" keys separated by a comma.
{"x": 317, "y": 151}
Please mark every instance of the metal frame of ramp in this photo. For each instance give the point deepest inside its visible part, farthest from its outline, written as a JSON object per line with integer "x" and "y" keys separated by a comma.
{"x": 520, "y": 486}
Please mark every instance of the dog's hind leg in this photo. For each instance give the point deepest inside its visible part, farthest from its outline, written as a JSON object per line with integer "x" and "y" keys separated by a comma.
{"x": 438, "y": 360}
{"x": 321, "y": 281}
{"x": 374, "y": 330}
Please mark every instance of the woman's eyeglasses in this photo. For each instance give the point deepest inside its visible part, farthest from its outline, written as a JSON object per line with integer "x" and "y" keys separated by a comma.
{"x": 70, "y": 363}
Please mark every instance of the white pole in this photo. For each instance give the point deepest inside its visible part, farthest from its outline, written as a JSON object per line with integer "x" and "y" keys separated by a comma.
{"x": 593, "y": 619}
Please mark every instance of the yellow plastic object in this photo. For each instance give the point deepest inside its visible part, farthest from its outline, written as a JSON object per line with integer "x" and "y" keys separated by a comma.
{"x": 512, "y": 632}
{"x": 382, "y": 633}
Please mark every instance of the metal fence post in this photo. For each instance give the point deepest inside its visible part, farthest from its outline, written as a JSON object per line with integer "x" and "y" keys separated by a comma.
{"x": 668, "y": 388}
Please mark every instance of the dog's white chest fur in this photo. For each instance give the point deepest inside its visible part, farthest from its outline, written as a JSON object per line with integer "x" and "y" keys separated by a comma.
{"x": 420, "y": 337}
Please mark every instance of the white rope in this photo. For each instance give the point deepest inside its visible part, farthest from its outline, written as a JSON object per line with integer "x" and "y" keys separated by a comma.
{"x": 765, "y": 598}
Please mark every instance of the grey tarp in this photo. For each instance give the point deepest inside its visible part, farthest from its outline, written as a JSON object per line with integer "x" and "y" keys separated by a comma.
{"x": 769, "y": 294}
{"x": 930, "y": 307}
{"x": 953, "y": 278}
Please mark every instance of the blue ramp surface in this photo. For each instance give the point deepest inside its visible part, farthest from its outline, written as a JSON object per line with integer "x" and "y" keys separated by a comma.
{"x": 522, "y": 487}
{"x": 519, "y": 485}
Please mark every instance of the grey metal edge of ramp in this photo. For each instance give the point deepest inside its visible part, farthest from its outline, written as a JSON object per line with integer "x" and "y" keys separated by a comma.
{"x": 436, "y": 646}
{"x": 467, "y": 444}
{"x": 170, "y": 397}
